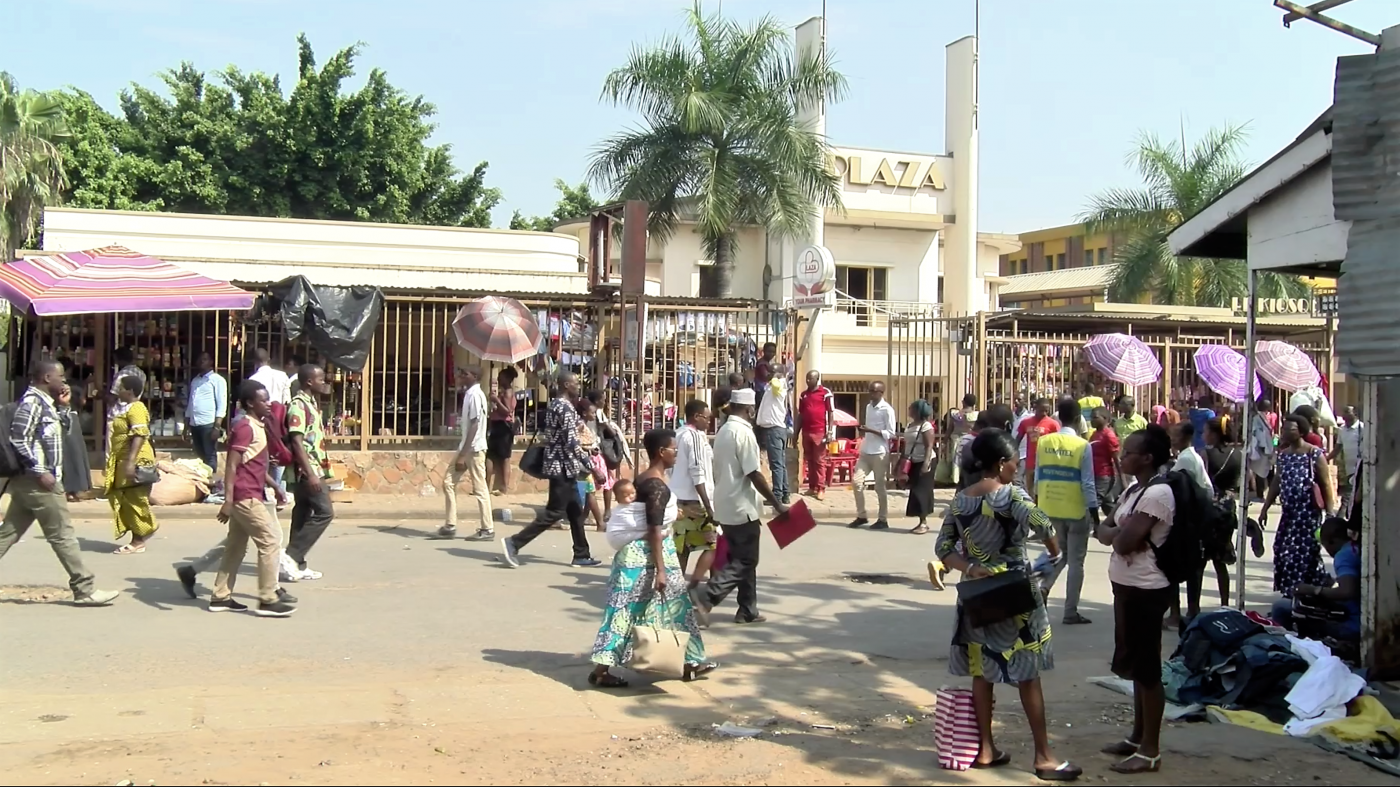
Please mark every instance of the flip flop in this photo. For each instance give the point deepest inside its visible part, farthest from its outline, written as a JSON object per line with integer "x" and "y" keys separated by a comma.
{"x": 693, "y": 671}
{"x": 1064, "y": 772}
{"x": 608, "y": 681}
{"x": 1001, "y": 759}
{"x": 128, "y": 549}
{"x": 1123, "y": 748}
{"x": 1154, "y": 764}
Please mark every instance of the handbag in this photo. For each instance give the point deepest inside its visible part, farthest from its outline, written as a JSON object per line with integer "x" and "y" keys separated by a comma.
{"x": 955, "y": 736}
{"x": 996, "y": 598}
{"x": 611, "y": 446}
{"x": 145, "y": 475}
{"x": 657, "y": 650}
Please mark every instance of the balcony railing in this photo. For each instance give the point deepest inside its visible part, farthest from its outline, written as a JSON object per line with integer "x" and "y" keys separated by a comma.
{"x": 877, "y": 314}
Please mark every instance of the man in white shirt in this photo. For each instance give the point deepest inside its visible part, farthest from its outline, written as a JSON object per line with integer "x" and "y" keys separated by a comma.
{"x": 690, "y": 484}
{"x": 1347, "y": 454}
{"x": 276, "y": 381}
{"x": 772, "y": 431}
{"x": 1188, "y": 460}
{"x": 471, "y": 458}
{"x": 876, "y": 431}
{"x": 740, "y": 490}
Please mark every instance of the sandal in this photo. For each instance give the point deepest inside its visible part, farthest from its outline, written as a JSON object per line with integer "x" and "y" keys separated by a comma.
{"x": 920, "y": 530}
{"x": 128, "y": 549}
{"x": 1064, "y": 772}
{"x": 1123, "y": 748}
{"x": 606, "y": 681}
{"x": 693, "y": 671}
{"x": 1153, "y": 765}
{"x": 1000, "y": 759}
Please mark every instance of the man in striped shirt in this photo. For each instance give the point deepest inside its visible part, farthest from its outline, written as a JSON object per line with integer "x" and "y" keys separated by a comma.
{"x": 690, "y": 483}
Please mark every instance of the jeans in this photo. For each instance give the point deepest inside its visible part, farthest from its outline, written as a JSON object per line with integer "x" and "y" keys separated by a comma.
{"x": 814, "y": 456}
{"x": 1107, "y": 488}
{"x": 773, "y": 440}
{"x": 29, "y": 503}
{"x": 476, "y": 471}
{"x": 563, "y": 502}
{"x": 740, "y": 571}
{"x": 249, "y": 520}
{"x": 311, "y": 515}
{"x": 1073, "y": 535}
{"x": 879, "y": 464}
{"x": 205, "y": 447}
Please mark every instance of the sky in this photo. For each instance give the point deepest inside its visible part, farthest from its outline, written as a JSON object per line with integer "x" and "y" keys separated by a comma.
{"x": 1066, "y": 87}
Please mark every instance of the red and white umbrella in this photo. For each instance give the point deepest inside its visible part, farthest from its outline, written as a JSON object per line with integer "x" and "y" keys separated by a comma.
{"x": 843, "y": 418}
{"x": 1285, "y": 366}
{"x": 497, "y": 329}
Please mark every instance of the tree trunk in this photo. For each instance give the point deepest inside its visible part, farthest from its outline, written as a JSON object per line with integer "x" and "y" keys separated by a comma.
{"x": 724, "y": 265}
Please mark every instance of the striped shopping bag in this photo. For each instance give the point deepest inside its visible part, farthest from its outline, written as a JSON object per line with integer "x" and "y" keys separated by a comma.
{"x": 955, "y": 729}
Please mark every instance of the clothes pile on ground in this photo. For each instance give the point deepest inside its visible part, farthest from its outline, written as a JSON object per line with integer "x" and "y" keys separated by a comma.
{"x": 182, "y": 482}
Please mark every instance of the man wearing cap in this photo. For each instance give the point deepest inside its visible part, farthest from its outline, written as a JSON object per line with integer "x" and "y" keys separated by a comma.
{"x": 740, "y": 490}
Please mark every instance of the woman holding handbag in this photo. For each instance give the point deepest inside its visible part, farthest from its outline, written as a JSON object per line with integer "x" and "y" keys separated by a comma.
{"x": 131, "y": 467}
{"x": 915, "y": 468}
{"x": 984, "y": 536}
{"x": 647, "y": 585}
{"x": 1303, "y": 488}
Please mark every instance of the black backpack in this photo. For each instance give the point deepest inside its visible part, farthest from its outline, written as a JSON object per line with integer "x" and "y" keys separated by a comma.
{"x": 10, "y": 463}
{"x": 1183, "y": 552}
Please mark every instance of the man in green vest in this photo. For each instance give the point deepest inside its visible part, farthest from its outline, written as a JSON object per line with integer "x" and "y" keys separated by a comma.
{"x": 1065, "y": 491}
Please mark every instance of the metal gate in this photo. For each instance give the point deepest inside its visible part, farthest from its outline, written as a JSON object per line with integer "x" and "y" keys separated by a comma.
{"x": 931, "y": 358}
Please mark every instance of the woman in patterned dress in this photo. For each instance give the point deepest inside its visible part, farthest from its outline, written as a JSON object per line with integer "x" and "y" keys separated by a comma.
{"x": 1298, "y": 467}
{"x": 985, "y": 533}
{"x": 130, "y": 438}
{"x": 647, "y": 579}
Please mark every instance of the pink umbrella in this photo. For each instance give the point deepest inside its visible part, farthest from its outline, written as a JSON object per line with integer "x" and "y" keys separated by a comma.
{"x": 1123, "y": 358}
{"x": 112, "y": 279}
{"x": 497, "y": 329}
{"x": 1223, "y": 370}
{"x": 844, "y": 418}
{"x": 1285, "y": 366}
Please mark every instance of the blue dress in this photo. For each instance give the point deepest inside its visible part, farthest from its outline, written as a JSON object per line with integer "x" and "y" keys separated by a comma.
{"x": 1297, "y": 554}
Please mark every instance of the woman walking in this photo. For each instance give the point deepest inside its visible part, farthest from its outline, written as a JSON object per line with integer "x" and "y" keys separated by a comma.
{"x": 915, "y": 468}
{"x": 607, "y": 435}
{"x": 647, "y": 584}
{"x": 500, "y": 429}
{"x": 985, "y": 533}
{"x": 77, "y": 471}
{"x": 130, "y": 439}
{"x": 1304, "y": 489}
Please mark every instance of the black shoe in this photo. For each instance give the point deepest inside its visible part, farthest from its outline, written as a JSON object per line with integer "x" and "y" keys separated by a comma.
{"x": 1075, "y": 620}
{"x": 743, "y": 621}
{"x": 187, "y": 579}
{"x": 785, "y": 499}
{"x": 274, "y": 609}
{"x": 226, "y": 605}
{"x": 285, "y": 597}
{"x": 880, "y": 524}
{"x": 859, "y": 521}
{"x": 586, "y": 562}
{"x": 1256, "y": 538}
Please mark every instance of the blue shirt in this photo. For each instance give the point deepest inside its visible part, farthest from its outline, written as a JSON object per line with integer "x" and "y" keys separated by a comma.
{"x": 1347, "y": 563}
{"x": 1200, "y": 416}
{"x": 208, "y": 399}
{"x": 1086, "y": 474}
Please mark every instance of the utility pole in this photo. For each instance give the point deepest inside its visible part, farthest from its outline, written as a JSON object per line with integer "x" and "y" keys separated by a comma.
{"x": 1313, "y": 13}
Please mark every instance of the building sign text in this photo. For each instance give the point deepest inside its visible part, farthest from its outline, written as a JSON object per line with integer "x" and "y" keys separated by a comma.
{"x": 895, "y": 173}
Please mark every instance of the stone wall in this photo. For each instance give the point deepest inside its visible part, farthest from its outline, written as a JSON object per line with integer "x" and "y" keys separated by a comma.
{"x": 407, "y": 472}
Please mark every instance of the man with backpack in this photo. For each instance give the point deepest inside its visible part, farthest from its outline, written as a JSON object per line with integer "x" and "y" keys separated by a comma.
{"x": 1066, "y": 492}
{"x": 32, "y": 462}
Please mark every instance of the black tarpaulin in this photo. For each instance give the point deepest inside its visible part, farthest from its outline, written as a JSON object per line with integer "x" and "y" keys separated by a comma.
{"x": 338, "y": 322}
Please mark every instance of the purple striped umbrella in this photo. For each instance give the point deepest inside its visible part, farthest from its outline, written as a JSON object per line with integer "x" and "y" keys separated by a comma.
{"x": 497, "y": 329}
{"x": 1223, "y": 369}
{"x": 1285, "y": 366}
{"x": 1123, "y": 358}
{"x": 112, "y": 279}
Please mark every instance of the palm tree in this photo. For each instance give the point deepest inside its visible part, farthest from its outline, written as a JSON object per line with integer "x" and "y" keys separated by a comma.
{"x": 31, "y": 169}
{"x": 720, "y": 142}
{"x": 1178, "y": 183}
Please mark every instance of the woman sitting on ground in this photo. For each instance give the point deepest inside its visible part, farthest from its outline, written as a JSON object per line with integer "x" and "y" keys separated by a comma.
{"x": 1309, "y": 617}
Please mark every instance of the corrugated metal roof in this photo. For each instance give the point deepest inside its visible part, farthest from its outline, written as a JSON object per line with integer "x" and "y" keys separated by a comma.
{"x": 1366, "y": 191}
{"x": 1086, "y": 278}
{"x": 406, "y": 278}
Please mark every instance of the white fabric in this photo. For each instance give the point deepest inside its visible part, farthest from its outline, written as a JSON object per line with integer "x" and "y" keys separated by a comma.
{"x": 773, "y": 410}
{"x": 742, "y": 396}
{"x": 628, "y": 523}
{"x": 1349, "y": 437}
{"x": 277, "y": 383}
{"x": 1313, "y": 396}
{"x": 473, "y": 410}
{"x": 914, "y": 448}
{"x": 694, "y": 459}
{"x": 878, "y": 416}
{"x": 1321, "y": 695}
{"x": 1140, "y": 568}
{"x": 736, "y": 499}
{"x": 1309, "y": 650}
{"x": 1261, "y": 447}
{"x": 1016, "y": 429}
{"x": 1191, "y": 463}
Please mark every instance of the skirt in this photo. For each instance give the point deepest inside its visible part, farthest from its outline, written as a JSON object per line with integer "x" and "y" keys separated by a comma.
{"x": 500, "y": 440}
{"x": 1137, "y": 631}
{"x": 632, "y": 601}
{"x": 920, "y": 492}
{"x": 77, "y": 472}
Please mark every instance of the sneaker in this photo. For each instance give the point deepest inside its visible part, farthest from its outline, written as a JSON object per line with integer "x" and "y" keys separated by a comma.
{"x": 484, "y": 534}
{"x": 447, "y": 531}
{"x": 287, "y": 570}
{"x": 97, "y": 598}
{"x": 274, "y": 609}
{"x": 586, "y": 562}
{"x": 226, "y": 605}
{"x": 880, "y": 524}
{"x": 702, "y": 606}
{"x": 187, "y": 580}
{"x": 306, "y": 575}
{"x": 511, "y": 555}
{"x": 285, "y": 597}
{"x": 859, "y": 521}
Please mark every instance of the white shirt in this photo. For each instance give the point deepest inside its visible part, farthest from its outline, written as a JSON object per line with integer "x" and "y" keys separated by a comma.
{"x": 736, "y": 499}
{"x": 1189, "y": 461}
{"x": 277, "y": 383}
{"x": 772, "y": 411}
{"x": 1016, "y": 429}
{"x": 878, "y": 416}
{"x": 473, "y": 410}
{"x": 694, "y": 458}
{"x": 1350, "y": 439}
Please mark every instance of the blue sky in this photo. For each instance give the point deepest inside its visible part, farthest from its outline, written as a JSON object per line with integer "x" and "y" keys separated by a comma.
{"x": 1066, "y": 86}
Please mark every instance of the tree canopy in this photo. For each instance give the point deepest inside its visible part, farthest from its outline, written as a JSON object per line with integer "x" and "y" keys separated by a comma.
{"x": 233, "y": 142}
{"x": 32, "y": 130}
{"x": 574, "y": 202}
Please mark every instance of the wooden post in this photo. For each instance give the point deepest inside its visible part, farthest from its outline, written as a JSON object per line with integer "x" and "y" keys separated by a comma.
{"x": 366, "y": 382}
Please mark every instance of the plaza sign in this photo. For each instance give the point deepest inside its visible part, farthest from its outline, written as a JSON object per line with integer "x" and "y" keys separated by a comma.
{"x": 1274, "y": 305}
{"x": 814, "y": 280}
{"x": 895, "y": 173}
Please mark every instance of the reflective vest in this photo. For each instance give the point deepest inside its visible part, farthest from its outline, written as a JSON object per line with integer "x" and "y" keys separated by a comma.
{"x": 1059, "y": 465}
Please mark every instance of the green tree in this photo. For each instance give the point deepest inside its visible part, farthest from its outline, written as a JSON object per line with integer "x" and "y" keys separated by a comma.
{"x": 720, "y": 142}
{"x": 234, "y": 143}
{"x": 1178, "y": 182}
{"x": 31, "y": 164}
{"x": 574, "y": 202}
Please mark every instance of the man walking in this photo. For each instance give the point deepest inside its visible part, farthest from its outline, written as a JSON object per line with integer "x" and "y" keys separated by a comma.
{"x": 1347, "y": 454}
{"x": 208, "y": 407}
{"x": 471, "y": 459}
{"x": 691, "y": 486}
{"x": 772, "y": 431}
{"x": 36, "y": 494}
{"x": 740, "y": 490}
{"x": 878, "y": 428}
{"x": 1065, "y": 491}
{"x": 816, "y": 422}
{"x": 1104, "y": 445}
{"x": 565, "y": 462}
{"x": 313, "y": 511}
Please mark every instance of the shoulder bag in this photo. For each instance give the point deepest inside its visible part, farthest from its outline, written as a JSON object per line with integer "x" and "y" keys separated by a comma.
{"x": 655, "y": 649}
{"x": 532, "y": 460}
{"x": 999, "y": 597}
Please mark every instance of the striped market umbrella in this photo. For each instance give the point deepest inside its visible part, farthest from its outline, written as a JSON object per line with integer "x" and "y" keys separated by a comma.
{"x": 1223, "y": 369}
{"x": 1123, "y": 358}
{"x": 497, "y": 329}
{"x": 112, "y": 279}
{"x": 1285, "y": 366}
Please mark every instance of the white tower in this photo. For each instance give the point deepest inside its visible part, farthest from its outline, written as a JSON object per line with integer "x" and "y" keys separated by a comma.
{"x": 810, "y": 42}
{"x": 963, "y": 291}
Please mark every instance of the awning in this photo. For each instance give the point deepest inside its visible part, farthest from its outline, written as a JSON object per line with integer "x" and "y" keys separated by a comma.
{"x": 112, "y": 279}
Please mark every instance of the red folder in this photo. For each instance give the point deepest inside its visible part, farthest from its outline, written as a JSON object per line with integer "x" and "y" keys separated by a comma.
{"x": 789, "y": 527}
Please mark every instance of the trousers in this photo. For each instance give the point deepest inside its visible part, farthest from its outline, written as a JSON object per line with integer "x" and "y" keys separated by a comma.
{"x": 30, "y": 503}
{"x": 311, "y": 515}
{"x": 563, "y": 503}
{"x": 814, "y": 457}
{"x": 879, "y": 465}
{"x": 476, "y": 471}
{"x": 740, "y": 571}
{"x": 249, "y": 520}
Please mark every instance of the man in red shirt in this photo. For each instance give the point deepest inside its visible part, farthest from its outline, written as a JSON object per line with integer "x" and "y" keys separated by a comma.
{"x": 1104, "y": 445}
{"x": 1031, "y": 430}
{"x": 816, "y": 421}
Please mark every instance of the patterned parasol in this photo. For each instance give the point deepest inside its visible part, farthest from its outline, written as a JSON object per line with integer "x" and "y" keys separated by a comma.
{"x": 1285, "y": 366}
{"x": 1123, "y": 358}
{"x": 112, "y": 279}
{"x": 1223, "y": 370}
{"x": 497, "y": 329}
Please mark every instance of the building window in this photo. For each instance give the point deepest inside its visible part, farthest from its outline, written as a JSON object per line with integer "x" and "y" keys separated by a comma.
{"x": 863, "y": 284}
{"x": 1103, "y": 256}
{"x": 1059, "y": 262}
{"x": 1088, "y": 257}
{"x": 709, "y": 281}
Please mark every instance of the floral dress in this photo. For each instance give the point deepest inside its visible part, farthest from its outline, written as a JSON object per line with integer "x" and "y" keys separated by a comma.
{"x": 993, "y": 530}
{"x": 1297, "y": 553}
{"x": 632, "y": 587}
{"x": 131, "y": 505}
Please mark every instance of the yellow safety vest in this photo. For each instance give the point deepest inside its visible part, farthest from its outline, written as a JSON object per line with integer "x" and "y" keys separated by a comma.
{"x": 1059, "y": 464}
